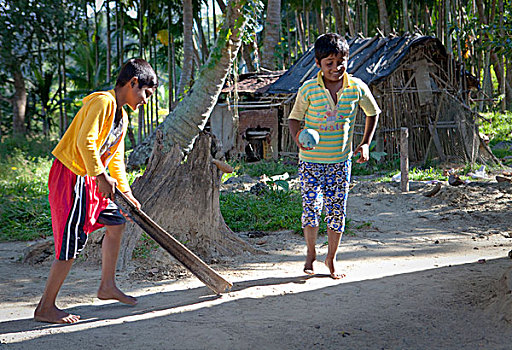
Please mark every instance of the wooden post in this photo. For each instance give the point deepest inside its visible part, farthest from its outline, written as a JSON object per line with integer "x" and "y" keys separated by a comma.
{"x": 404, "y": 159}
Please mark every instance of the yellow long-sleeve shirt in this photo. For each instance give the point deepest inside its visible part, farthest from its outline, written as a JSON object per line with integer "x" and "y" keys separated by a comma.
{"x": 79, "y": 148}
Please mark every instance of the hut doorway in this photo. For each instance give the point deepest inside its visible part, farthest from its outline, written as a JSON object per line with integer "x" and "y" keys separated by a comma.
{"x": 258, "y": 145}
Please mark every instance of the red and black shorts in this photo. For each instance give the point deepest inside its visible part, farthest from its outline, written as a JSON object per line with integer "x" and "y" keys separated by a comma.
{"x": 77, "y": 209}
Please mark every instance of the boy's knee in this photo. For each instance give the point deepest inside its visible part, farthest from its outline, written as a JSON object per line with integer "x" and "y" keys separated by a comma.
{"x": 115, "y": 229}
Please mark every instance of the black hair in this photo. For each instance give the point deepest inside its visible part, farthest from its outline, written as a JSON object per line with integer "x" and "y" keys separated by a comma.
{"x": 329, "y": 44}
{"x": 137, "y": 67}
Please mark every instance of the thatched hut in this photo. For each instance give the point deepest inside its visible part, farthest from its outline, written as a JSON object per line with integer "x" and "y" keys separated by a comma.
{"x": 416, "y": 84}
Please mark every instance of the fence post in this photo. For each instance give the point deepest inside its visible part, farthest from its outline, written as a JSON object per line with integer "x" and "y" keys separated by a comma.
{"x": 404, "y": 159}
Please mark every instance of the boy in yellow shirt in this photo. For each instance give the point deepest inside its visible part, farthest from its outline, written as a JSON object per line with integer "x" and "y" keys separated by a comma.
{"x": 81, "y": 189}
{"x": 328, "y": 104}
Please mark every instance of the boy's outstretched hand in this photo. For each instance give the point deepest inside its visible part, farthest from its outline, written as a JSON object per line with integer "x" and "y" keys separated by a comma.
{"x": 364, "y": 150}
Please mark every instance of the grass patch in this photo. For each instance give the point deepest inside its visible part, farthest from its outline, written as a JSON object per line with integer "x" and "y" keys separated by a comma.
{"x": 417, "y": 174}
{"x": 24, "y": 209}
{"x": 499, "y": 131}
{"x": 273, "y": 210}
{"x": 145, "y": 248}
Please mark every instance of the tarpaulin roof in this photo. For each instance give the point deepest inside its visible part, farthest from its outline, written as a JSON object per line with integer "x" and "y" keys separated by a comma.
{"x": 371, "y": 59}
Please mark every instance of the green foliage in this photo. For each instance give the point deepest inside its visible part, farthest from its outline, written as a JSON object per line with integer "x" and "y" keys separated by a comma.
{"x": 372, "y": 167}
{"x": 271, "y": 211}
{"x": 247, "y": 22}
{"x": 146, "y": 246}
{"x": 499, "y": 130}
{"x": 277, "y": 208}
{"x": 418, "y": 174}
{"x": 24, "y": 209}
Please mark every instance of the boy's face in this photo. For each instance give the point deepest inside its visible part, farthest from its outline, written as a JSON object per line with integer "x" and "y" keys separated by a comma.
{"x": 138, "y": 96}
{"x": 333, "y": 67}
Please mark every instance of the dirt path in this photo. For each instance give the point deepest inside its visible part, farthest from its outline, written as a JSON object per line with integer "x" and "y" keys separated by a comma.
{"x": 422, "y": 273}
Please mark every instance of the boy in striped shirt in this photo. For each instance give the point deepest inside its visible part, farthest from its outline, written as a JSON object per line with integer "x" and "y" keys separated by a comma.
{"x": 81, "y": 189}
{"x": 329, "y": 104}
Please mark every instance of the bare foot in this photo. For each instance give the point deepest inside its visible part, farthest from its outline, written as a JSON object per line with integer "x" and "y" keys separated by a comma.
{"x": 334, "y": 275}
{"x": 105, "y": 293}
{"x": 54, "y": 315}
{"x": 308, "y": 266}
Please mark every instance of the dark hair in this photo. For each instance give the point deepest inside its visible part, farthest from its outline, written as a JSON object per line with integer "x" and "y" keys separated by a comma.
{"x": 137, "y": 67}
{"x": 329, "y": 44}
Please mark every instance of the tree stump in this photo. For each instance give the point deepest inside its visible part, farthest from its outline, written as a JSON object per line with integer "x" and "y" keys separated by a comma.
{"x": 182, "y": 196}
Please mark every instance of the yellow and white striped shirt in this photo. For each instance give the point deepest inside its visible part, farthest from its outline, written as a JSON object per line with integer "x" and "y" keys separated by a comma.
{"x": 334, "y": 122}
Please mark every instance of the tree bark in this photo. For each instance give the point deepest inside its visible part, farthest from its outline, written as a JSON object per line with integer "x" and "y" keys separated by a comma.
{"x": 189, "y": 207}
{"x": 19, "y": 102}
{"x": 320, "y": 20}
{"x": 340, "y": 26}
{"x": 351, "y": 28}
{"x": 272, "y": 34}
{"x": 405, "y": 16}
{"x": 383, "y": 17}
{"x": 183, "y": 197}
{"x": 494, "y": 58}
{"x": 121, "y": 33}
{"x": 109, "y": 45}
{"x": 200, "y": 33}
{"x": 246, "y": 53}
{"x": 188, "y": 48}
{"x": 170, "y": 66}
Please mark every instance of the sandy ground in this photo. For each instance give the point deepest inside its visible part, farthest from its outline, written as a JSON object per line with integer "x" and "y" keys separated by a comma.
{"x": 422, "y": 273}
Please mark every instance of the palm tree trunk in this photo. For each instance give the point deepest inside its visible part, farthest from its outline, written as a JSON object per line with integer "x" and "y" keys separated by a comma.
{"x": 351, "y": 28}
{"x": 300, "y": 29}
{"x": 200, "y": 33}
{"x": 214, "y": 20}
{"x": 246, "y": 54}
{"x": 189, "y": 207}
{"x": 272, "y": 34}
{"x": 501, "y": 60}
{"x": 19, "y": 102}
{"x": 117, "y": 30}
{"x": 320, "y": 20}
{"x": 109, "y": 45}
{"x": 340, "y": 25}
{"x": 121, "y": 34}
{"x": 383, "y": 17}
{"x": 61, "y": 111}
{"x": 405, "y": 15}
{"x": 170, "y": 67}
{"x": 509, "y": 82}
{"x": 64, "y": 79}
{"x": 188, "y": 48}
{"x": 96, "y": 39}
{"x": 87, "y": 38}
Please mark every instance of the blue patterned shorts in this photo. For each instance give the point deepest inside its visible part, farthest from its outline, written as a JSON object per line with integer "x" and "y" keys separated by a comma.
{"x": 324, "y": 184}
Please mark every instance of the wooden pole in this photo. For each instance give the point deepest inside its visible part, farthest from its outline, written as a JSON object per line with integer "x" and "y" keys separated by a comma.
{"x": 404, "y": 159}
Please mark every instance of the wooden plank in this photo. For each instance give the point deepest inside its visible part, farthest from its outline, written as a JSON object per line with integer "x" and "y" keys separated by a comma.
{"x": 192, "y": 262}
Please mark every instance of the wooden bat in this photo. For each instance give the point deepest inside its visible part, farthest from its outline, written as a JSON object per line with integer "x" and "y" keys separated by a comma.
{"x": 223, "y": 166}
{"x": 192, "y": 262}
